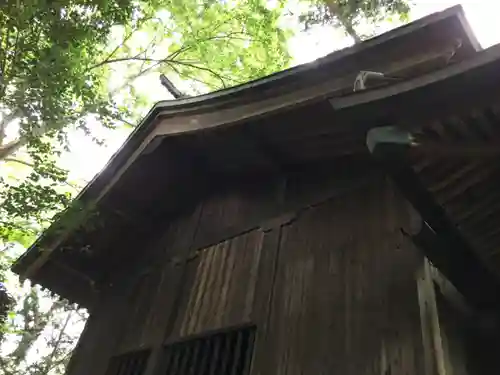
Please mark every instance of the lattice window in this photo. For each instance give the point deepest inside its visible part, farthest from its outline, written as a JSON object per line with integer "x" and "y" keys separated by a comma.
{"x": 128, "y": 364}
{"x": 223, "y": 353}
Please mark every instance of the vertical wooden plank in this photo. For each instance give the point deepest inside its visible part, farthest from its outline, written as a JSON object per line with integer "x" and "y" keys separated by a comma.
{"x": 264, "y": 289}
{"x": 225, "y": 301}
{"x": 168, "y": 293}
{"x": 101, "y": 334}
{"x": 378, "y": 235}
{"x": 215, "y": 313}
{"x": 255, "y": 251}
{"x": 221, "y": 288}
{"x": 209, "y": 293}
{"x": 307, "y": 319}
{"x": 201, "y": 301}
{"x": 239, "y": 286}
{"x": 344, "y": 260}
{"x": 429, "y": 318}
{"x": 196, "y": 294}
{"x": 171, "y": 278}
{"x": 402, "y": 339}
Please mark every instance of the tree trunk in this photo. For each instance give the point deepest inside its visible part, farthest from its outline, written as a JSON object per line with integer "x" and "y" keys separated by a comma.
{"x": 346, "y": 23}
{"x": 10, "y": 148}
{"x": 349, "y": 29}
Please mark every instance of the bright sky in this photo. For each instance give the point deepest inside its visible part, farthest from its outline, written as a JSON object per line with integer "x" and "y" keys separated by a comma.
{"x": 87, "y": 159}
{"x": 481, "y": 14}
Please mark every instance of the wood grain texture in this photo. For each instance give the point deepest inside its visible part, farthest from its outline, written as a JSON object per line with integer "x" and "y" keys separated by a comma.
{"x": 331, "y": 290}
{"x": 222, "y": 285}
{"x": 101, "y": 335}
{"x": 345, "y": 298}
{"x": 152, "y": 297}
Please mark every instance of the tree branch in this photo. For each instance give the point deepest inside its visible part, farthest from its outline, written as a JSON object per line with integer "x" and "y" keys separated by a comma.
{"x": 31, "y": 165}
{"x": 349, "y": 29}
{"x": 11, "y": 147}
{"x": 123, "y": 59}
{"x": 219, "y": 76}
{"x": 182, "y": 74}
{"x": 168, "y": 61}
{"x": 50, "y": 359}
{"x": 132, "y": 79}
{"x": 125, "y": 40}
{"x": 336, "y": 11}
{"x": 127, "y": 37}
{"x": 170, "y": 58}
{"x": 62, "y": 361}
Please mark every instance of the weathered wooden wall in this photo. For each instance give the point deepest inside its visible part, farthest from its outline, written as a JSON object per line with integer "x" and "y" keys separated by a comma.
{"x": 323, "y": 271}
{"x": 222, "y": 286}
{"x": 345, "y": 298}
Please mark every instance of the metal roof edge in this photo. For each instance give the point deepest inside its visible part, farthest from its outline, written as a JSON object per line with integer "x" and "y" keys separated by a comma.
{"x": 483, "y": 58}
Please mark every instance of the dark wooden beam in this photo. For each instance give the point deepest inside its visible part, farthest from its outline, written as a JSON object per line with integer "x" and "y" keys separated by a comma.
{"x": 461, "y": 266}
{"x": 441, "y": 242}
{"x": 450, "y": 293}
{"x": 486, "y": 323}
{"x": 456, "y": 149}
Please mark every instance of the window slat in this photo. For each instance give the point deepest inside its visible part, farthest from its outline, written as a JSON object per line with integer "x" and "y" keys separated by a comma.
{"x": 238, "y": 348}
{"x": 174, "y": 370}
{"x": 193, "y": 368}
{"x": 221, "y": 353}
{"x": 128, "y": 364}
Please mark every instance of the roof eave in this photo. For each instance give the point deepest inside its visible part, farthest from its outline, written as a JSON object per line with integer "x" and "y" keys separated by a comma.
{"x": 233, "y": 96}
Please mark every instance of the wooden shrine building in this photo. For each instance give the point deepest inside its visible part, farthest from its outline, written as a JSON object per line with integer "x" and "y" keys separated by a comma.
{"x": 341, "y": 217}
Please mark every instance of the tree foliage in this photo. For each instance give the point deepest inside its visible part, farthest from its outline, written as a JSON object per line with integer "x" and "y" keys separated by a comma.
{"x": 46, "y": 87}
{"x": 41, "y": 333}
{"x": 59, "y": 63}
{"x": 349, "y": 14}
{"x": 6, "y": 300}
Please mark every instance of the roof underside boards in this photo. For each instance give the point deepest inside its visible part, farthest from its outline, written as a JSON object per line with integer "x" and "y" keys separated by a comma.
{"x": 454, "y": 118}
{"x": 467, "y": 185}
{"x": 267, "y": 126}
